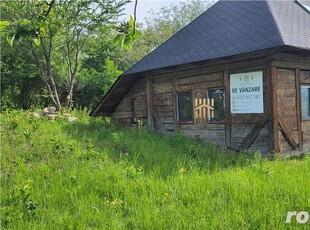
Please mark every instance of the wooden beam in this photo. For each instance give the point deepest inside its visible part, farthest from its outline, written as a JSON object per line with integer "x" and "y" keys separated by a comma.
{"x": 150, "y": 100}
{"x": 272, "y": 108}
{"x": 254, "y": 132}
{"x": 174, "y": 99}
{"x": 227, "y": 109}
{"x": 287, "y": 135}
{"x": 298, "y": 106}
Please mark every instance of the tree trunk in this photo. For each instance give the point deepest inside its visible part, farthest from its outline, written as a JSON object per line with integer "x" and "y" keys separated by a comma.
{"x": 52, "y": 90}
{"x": 70, "y": 93}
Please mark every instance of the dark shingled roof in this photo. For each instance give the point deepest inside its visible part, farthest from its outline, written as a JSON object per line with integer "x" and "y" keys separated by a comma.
{"x": 228, "y": 28}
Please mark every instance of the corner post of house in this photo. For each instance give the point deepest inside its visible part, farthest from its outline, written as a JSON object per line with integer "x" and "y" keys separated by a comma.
{"x": 174, "y": 99}
{"x": 227, "y": 109}
{"x": 149, "y": 100}
{"x": 298, "y": 106}
{"x": 272, "y": 107}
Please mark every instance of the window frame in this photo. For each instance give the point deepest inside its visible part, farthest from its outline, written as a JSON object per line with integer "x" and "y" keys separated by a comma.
{"x": 307, "y": 86}
{"x": 191, "y": 120}
{"x": 213, "y": 121}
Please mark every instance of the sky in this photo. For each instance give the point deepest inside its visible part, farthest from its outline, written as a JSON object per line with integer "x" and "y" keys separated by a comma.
{"x": 146, "y": 5}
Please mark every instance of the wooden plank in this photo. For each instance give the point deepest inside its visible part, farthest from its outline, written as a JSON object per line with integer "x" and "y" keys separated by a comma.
{"x": 286, "y": 93}
{"x": 248, "y": 62}
{"x": 163, "y": 99}
{"x": 275, "y": 115}
{"x": 227, "y": 109}
{"x": 288, "y": 137}
{"x": 205, "y": 85}
{"x": 117, "y": 115}
{"x": 174, "y": 99}
{"x": 291, "y": 64}
{"x": 162, "y": 87}
{"x": 306, "y": 133}
{"x": 289, "y": 103}
{"x": 123, "y": 121}
{"x": 209, "y": 126}
{"x": 250, "y": 138}
{"x": 304, "y": 76}
{"x": 149, "y": 99}
{"x": 168, "y": 120}
{"x": 241, "y": 130}
{"x": 272, "y": 108}
{"x": 217, "y": 137}
{"x": 201, "y": 78}
{"x": 245, "y": 118}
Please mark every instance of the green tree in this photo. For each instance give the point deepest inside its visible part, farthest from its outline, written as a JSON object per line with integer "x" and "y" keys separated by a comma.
{"x": 98, "y": 71}
{"x": 21, "y": 86}
{"x": 55, "y": 33}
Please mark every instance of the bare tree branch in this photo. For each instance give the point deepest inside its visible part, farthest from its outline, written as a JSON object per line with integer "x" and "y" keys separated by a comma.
{"x": 134, "y": 18}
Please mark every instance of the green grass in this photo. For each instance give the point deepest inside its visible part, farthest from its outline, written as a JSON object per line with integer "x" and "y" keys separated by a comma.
{"x": 94, "y": 175}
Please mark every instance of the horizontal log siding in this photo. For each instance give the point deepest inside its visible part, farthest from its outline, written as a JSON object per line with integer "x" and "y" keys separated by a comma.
{"x": 210, "y": 75}
{"x": 123, "y": 114}
{"x": 163, "y": 104}
{"x": 287, "y": 110}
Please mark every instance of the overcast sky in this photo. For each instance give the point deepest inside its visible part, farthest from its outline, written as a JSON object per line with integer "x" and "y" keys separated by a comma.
{"x": 146, "y": 5}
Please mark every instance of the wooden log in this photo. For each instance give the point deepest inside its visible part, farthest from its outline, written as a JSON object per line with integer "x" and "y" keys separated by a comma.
{"x": 287, "y": 135}
{"x": 163, "y": 99}
{"x": 205, "y": 85}
{"x": 272, "y": 108}
{"x": 227, "y": 109}
{"x": 250, "y": 138}
{"x": 305, "y": 77}
{"x": 149, "y": 99}
{"x": 298, "y": 105}
{"x": 168, "y": 120}
{"x": 162, "y": 87}
{"x": 201, "y": 78}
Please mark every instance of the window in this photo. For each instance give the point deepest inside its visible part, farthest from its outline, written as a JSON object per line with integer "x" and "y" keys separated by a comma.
{"x": 217, "y": 103}
{"x": 185, "y": 106}
{"x": 305, "y": 102}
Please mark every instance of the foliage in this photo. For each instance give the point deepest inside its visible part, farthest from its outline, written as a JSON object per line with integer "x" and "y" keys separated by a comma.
{"x": 126, "y": 34}
{"x": 93, "y": 174}
{"x": 56, "y": 55}
{"x": 94, "y": 82}
{"x": 21, "y": 87}
{"x": 55, "y": 32}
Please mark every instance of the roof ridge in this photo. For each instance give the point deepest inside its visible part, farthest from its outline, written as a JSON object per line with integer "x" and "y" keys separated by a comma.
{"x": 274, "y": 20}
{"x": 303, "y": 5}
{"x": 288, "y": 27}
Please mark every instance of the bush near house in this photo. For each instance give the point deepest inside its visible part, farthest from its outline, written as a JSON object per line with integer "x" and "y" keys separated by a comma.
{"x": 94, "y": 175}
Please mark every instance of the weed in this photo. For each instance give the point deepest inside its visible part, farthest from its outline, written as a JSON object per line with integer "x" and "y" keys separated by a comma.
{"x": 18, "y": 205}
{"x": 95, "y": 174}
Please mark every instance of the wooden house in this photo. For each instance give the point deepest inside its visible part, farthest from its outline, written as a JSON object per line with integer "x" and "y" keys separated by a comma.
{"x": 238, "y": 75}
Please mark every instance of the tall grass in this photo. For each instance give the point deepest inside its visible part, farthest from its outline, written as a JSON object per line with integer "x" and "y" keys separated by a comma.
{"x": 96, "y": 175}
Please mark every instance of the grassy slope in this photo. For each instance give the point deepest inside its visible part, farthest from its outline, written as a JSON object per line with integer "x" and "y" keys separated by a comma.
{"x": 57, "y": 175}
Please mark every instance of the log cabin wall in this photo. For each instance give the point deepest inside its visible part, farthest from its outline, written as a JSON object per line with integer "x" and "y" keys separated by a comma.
{"x": 292, "y": 71}
{"x": 287, "y": 109}
{"x": 165, "y": 89}
{"x": 133, "y": 105}
{"x": 279, "y": 128}
{"x": 239, "y": 131}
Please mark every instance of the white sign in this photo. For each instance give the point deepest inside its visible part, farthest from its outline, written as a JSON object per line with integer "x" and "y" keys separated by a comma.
{"x": 246, "y": 92}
